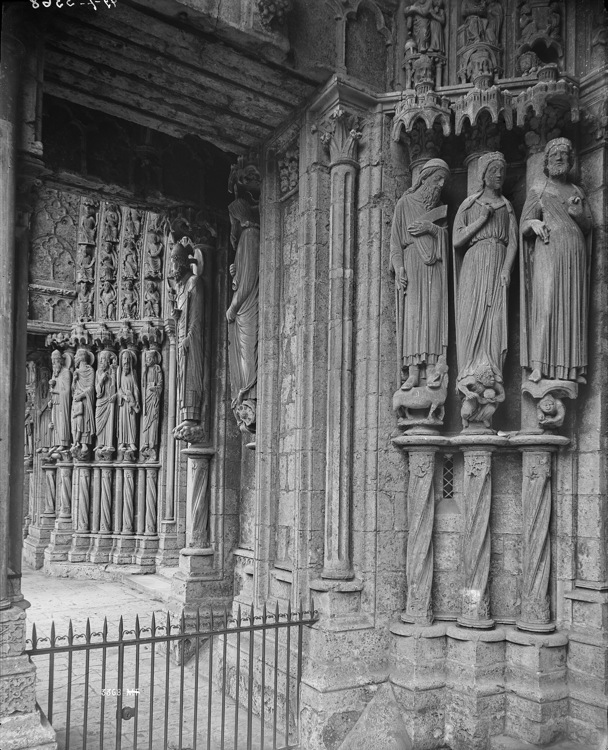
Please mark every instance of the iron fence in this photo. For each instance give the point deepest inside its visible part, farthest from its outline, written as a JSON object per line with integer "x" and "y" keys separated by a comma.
{"x": 211, "y": 682}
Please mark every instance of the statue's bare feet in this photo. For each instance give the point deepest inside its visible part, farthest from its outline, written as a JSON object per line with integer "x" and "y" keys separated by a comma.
{"x": 413, "y": 379}
{"x": 535, "y": 375}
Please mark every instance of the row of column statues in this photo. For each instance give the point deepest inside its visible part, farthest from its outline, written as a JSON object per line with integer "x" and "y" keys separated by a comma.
{"x": 553, "y": 238}
{"x": 106, "y": 409}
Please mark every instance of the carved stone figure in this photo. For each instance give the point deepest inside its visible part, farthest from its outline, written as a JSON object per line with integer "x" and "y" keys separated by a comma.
{"x": 107, "y": 300}
{"x": 418, "y": 21}
{"x": 83, "y": 400}
{"x": 485, "y": 231}
{"x": 550, "y": 412}
{"x": 154, "y": 247}
{"x": 60, "y": 388}
{"x": 84, "y": 302}
{"x": 419, "y": 260}
{"x": 84, "y": 264}
{"x": 108, "y": 262}
{"x": 130, "y": 264}
{"x": 130, "y": 300}
{"x": 242, "y": 315}
{"x": 152, "y": 300}
{"x": 190, "y": 313}
{"x": 45, "y": 434}
{"x": 105, "y": 391}
{"x": 556, "y": 228}
{"x": 88, "y": 223}
{"x": 152, "y": 393}
{"x": 432, "y": 396}
{"x": 129, "y": 404}
{"x": 482, "y": 394}
{"x": 474, "y": 16}
{"x": 112, "y": 223}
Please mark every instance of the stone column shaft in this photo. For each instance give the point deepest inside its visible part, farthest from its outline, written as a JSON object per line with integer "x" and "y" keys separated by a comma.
{"x": 536, "y": 506}
{"x": 337, "y": 563}
{"x": 421, "y": 515}
{"x": 197, "y": 497}
{"x": 50, "y": 473}
{"x": 475, "y": 611}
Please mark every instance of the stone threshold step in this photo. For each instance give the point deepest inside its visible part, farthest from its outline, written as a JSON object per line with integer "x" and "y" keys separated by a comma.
{"x": 502, "y": 742}
{"x": 155, "y": 586}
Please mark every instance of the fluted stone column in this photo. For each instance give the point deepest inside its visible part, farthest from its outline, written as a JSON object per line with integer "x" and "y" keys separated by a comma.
{"x": 342, "y": 144}
{"x": 477, "y": 492}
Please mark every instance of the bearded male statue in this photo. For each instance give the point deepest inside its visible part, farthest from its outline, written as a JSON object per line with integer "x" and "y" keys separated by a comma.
{"x": 419, "y": 261}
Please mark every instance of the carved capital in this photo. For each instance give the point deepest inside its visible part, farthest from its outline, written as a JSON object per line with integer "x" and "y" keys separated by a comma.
{"x": 341, "y": 139}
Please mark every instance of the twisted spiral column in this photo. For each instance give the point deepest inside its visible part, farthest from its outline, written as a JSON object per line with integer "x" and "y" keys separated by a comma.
{"x": 475, "y": 611}
{"x": 105, "y": 526}
{"x": 151, "y": 500}
{"x": 50, "y": 495}
{"x": 83, "y": 500}
{"x": 421, "y": 514}
{"x": 65, "y": 497}
{"x": 536, "y": 506}
{"x": 128, "y": 495}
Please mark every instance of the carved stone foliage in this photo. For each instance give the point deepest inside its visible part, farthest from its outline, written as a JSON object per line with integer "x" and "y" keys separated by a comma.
{"x": 341, "y": 136}
{"x": 289, "y": 170}
{"x": 273, "y": 13}
{"x": 485, "y": 245}
{"x": 480, "y": 42}
{"x": 419, "y": 260}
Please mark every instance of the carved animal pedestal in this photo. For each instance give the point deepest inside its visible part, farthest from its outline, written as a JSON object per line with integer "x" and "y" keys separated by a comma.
{"x": 421, "y": 409}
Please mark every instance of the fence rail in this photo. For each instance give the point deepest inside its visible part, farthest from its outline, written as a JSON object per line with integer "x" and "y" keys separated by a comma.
{"x": 210, "y": 681}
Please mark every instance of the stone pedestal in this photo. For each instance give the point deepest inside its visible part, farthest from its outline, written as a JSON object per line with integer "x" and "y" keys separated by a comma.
{"x": 79, "y": 550}
{"x": 475, "y": 687}
{"x": 145, "y": 552}
{"x": 123, "y": 548}
{"x": 417, "y": 675}
{"x": 61, "y": 541}
{"x": 38, "y": 539}
{"x": 101, "y": 549}
{"x": 20, "y": 722}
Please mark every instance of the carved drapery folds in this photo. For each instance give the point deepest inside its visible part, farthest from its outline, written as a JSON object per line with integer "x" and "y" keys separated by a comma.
{"x": 242, "y": 314}
{"x": 479, "y": 42}
{"x": 425, "y": 48}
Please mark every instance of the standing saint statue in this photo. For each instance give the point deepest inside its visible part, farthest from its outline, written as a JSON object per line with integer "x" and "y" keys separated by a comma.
{"x": 60, "y": 388}
{"x": 485, "y": 245}
{"x": 152, "y": 392}
{"x": 129, "y": 404}
{"x": 190, "y": 313}
{"x": 419, "y": 260}
{"x": 105, "y": 390}
{"x": 242, "y": 315}
{"x": 556, "y": 228}
{"x": 83, "y": 400}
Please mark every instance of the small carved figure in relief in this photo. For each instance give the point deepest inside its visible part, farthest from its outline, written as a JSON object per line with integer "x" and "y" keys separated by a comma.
{"x": 60, "y": 388}
{"x": 432, "y": 396}
{"x": 83, "y": 399}
{"x": 152, "y": 300}
{"x": 190, "y": 313}
{"x": 153, "y": 258}
{"x": 107, "y": 300}
{"x": 28, "y": 439}
{"x": 485, "y": 245}
{"x": 112, "y": 220}
{"x": 153, "y": 389}
{"x": 45, "y": 434}
{"x": 108, "y": 262}
{"x": 425, "y": 21}
{"x": 527, "y": 23}
{"x": 130, "y": 264}
{"x": 528, "y": 64}
{"x": 88, "y": 224}
{"x": 550, "y": 412}
{"x": 129, "y": 405}
{"x": 556, "y": 228}
{"x": 437, "y": 43}
{"x": 84, "y": 302}
{"x": 84, "y": 264}
{"x": 105, "y": 390}
{"x": 554, "y": 19}
{"x": 130, "y": 300}
{"x": 474, "y": 15}
{"x": 482, "y": 393}
{"x": 494, "y": 24}
{"x": 242, "y": 315}
{"x": 419, "y": 260}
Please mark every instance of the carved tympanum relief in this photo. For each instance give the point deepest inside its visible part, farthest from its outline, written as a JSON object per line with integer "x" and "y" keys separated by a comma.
{"x": 419, "y": 247}
{"x": 485, "y": 245}
{"x": 556, "y": 226}
{"x": 242, "y": 315}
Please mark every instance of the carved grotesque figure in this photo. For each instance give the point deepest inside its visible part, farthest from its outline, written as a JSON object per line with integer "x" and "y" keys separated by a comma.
{"x": 190, "y": 313}
{"x": 482, "y": 393}
{"x": 485, "y": 245}
{"x": 152, "y": 393}
{"x": 550, "y": 412}
{"x": 60, "y": 388}
{"x": 419, "y": 260}
{"x": 83, "y": 400}
{"x": 105, "y": 391}
{"x": 242, "y": 315}
{"x": 556, "y": 229}
{"x": 129, "y": 404}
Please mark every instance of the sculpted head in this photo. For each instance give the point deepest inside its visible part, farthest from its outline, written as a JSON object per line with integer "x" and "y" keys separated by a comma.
{"x": 559, "y": 157}
{"x": 491, "y": 170}
{"x": 103, "y": 362}
{"x": 547, "y": 405}
{"x": 182, "y": 257}
{"x": 56, "y": 361}
{"x": 484, "y": 375}
{"x": 83, "y": 356}
{"x": 433, "y": 176}
{"x": 150, "y": 357}
{"x": 245, "y": 178}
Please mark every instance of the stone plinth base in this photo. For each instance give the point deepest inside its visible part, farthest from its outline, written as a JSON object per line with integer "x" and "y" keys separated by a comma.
{"x": 145, "y": 553}
{"x": 124, "y": 548}
{"x": 167, "y": 554}
{"x": 101, "y": 549}
{"x": 79, "y": 551}
{"x": 61, "y": 541}
{"x": 36, "y": 542}
{"x": 29, "y": 731}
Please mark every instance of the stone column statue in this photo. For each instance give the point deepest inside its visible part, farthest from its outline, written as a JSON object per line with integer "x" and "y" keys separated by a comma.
{"x": 419, "y": 260}
{"x": 485, "y": 245}
{"x": 60, "y": 388}
{"x": 556, "y": 232}
{"x": 242, "y": 315}
{"x": 83, "y": 403}
{"x": 105, "y": 390}
{"x": 129, "y": 405}
{"x": 152, "y": 393}
{"x": 190, "y": 313}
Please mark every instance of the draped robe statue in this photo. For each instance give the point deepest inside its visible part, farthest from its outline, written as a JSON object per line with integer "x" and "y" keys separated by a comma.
{"x": 242, "y": 315}
{"x": 83, "y": 400}
{"x": 105, "y": 390}
{"x": 152, "y": 392}
{"x": 129, "y": 404}
{"x": 556, "y": 231}
{"x": 419, "y": 260}
{"x": 60, "y": 388}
